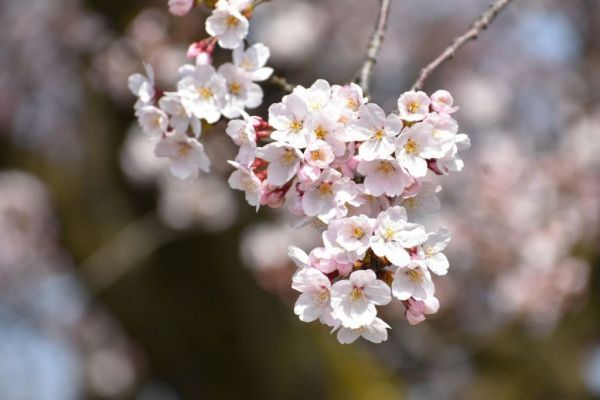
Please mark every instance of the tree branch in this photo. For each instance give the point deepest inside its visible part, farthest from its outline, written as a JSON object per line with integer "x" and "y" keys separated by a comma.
{"x": 374, "y": 46}
{"x": 478, "y": 26}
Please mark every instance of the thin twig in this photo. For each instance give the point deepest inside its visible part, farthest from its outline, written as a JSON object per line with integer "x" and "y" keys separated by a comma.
{"x": 374, "y": 46}
{"x": 282, "y": 83}
{"x": 478, "y": 26}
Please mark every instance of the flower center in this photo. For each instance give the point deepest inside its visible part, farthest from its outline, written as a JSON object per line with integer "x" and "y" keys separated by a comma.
{"x": 248, "y": 183}
{"x": 352, "y": 104}
{"x": 232, "y": 21}
{"x": 411, "y": 203}
{"x": 205, "y": 93}
{"x": 356, "y": 294}
{"x": 358, "y": 232}
{"x": 379, "y": 134}
{"x": 316, "y": 155}
{"x": 413, "y": 107}
{"x": 288, "y": 157}
{"x": 411, "y": 146}
{"x": 389, "y": 234}
{"x": 235, "y": 88}
{"x": 324, "y": 189}
{"x": 296, "y": 126}
{"x": 415, "y": 275}
{"x": 321, "y": 297}
{"x": 386, "y": 167}
{"x": 184, "y": 149}
{"x": 320, "y": 133}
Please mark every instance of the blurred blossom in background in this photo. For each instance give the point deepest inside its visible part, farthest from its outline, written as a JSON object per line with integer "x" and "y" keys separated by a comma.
{"x": 119, "y": 282}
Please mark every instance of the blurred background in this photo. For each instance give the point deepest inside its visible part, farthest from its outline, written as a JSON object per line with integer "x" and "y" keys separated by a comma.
{"x": 119, "y": 282}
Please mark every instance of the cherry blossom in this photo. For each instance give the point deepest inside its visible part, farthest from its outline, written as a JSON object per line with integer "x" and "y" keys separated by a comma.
{"x": 228, "y": 23}
{"x": 186, "y": 154}
{"x": 353, "y": 300}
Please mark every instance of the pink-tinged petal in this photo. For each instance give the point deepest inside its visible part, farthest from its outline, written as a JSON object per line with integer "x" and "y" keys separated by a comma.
{"x": 378, "y": 292}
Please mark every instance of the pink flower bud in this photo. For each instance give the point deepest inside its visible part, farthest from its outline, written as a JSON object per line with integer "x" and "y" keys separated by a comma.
{"x": 202, "y": 51}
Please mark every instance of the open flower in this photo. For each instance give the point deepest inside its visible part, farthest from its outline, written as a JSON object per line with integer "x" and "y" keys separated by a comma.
{"x": 154, "y": 121}
{"x": 377, "y": 132}
{"x": 375, "y": 332}
{"x": 413, "y": 106}
{"x": 351, "y": 234}
{"x": 180, "y": 117}
{"x": 384, "y": 176}
{"x": 415, "y": 146}
{"x": 319, "y": 154}
{"x": 353, "y": 300}
{"x": 313, "y": 303}
{"x": 186, "y": 154}
{"x": 412, "y": 280}
{"x": 253, "y": 61}
{"x": 228, "y": 24}
{"x": 284, "y": 162}
{"x": 441, "y": 101}
{"x": 241, "y": 91}
{"x": 393, "y": 234}
{"x": 244, "y": 179}
{"x": 203, "y": 92}
{"x": 431, "y": 251}
{"x": 288, "y": 120}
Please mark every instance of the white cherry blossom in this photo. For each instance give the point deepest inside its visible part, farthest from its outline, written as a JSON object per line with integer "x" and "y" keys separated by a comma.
{"x": 253, "y": 61}
{"x": 413, "y": 106}
{"x": 354, "y": 299}
{"x": 377, "y": 132}
{"x": 186, "y": 154}
{"x": 228, "y": 24}
{"x": 154, "y": 121}
{"x": 203, "y": 93}
{"x": 393, "y": 234}
{"x": 181, "y": 118}
{"x": 431, "y": 251}
{"x": 412, "y": 280}
{"x": 284, "y": 162}
{"x": 241, "y": 91}
{"x": 288, "y": 118}
{"x": 442, "y": 101}
{"x": 244, "y": 179}
{"x": 384, "y": 176}
{"x": 375, "y": 332}
{"x": 415, "y": 146}
{"x": 319, "y": 154}
{"x": 315, "y": 287}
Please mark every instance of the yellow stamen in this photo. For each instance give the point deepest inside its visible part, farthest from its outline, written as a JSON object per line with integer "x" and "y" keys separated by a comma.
{"x": 205, "y": 93}
{"x": 356, "y": 294}
{"x": 288, "y": 157}
{"x": 232, "y": 21}
{"x": 389, "y": 234}
{"x": 415, "y": 275}
{"x": 358, "y": 232}
{"x": 324, "y": 189}
{"x": 184, "y": 149}
{"x": 296, "y": 126}
{"x": 386, "y": 167}
{"x": 413, "y": 107}
{"x": 379, "y": 134}
{"x": 316, "y": 155}
{"x": 235, "y": 88}
{"x": 320, "y": 133}
{"x": 411, "y": 146}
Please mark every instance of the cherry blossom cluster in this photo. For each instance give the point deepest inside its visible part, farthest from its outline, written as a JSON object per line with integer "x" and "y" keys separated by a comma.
{"x": 337, "y": 161}
{"x": 344, "y": 166}
{"x": 204, "y": 93}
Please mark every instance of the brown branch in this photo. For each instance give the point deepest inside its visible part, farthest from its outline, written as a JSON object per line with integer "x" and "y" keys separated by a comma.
{"x": 374, "y": 46}
{"x": 478, "y": 26}
{"x": 281, "y": 83}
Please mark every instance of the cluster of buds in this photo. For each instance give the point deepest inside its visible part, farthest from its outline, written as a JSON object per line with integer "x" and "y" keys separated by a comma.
{"x": 345, "y": 167}
{"x": 338, "y": 162}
